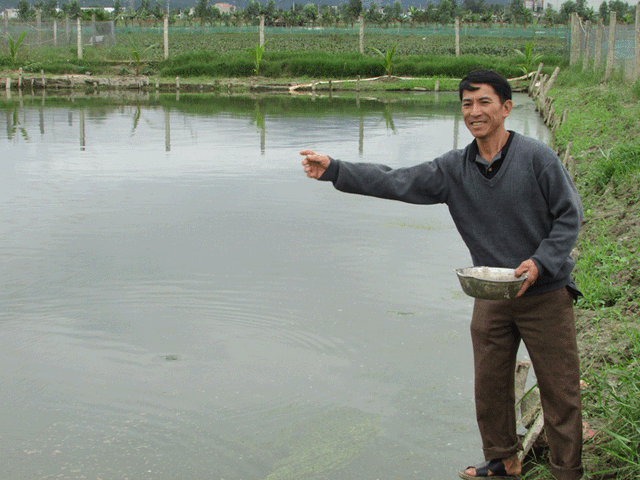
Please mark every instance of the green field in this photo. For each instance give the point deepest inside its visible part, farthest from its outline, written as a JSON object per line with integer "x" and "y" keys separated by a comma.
{"x": 287, "y": 53}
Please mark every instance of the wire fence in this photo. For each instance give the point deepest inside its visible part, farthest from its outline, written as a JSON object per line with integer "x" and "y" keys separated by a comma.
{"x": 613, "y": 47}
{"x": 59, "y": 32}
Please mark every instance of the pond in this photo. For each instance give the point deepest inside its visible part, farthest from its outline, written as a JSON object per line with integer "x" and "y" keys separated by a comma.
{"x": 180, "y": 301}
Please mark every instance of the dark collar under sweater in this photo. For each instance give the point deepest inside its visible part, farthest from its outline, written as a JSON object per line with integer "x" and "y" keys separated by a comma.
{"x": 489, "y": 171}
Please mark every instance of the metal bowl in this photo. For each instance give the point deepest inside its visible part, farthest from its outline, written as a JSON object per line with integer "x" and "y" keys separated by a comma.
{"x": 490, "y": 283}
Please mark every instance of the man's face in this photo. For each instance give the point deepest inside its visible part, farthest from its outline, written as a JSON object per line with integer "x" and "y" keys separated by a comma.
{"x": 483, "y": 112}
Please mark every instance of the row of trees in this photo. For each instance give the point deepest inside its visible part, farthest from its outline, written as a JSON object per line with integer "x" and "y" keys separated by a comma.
{"x": 470, "y": 11}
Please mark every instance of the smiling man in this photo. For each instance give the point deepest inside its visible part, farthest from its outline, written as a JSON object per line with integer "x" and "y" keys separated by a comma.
{"x": 515, "y": 206}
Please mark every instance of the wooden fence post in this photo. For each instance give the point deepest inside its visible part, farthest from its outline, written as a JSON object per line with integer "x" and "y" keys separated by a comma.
{"x": 612, "y": 44}
{"x": 457, "y": 36}
{"x": 166, "y": 37}
{"x": 587, "y": 46}
{"x": 549, "y": 84}
{"x": 261, "y": 30}
{"x": 361, "y": 21}
{"x": 79, "y": 24}
{"x": 39, "y": 27}
{"x": 93, "y": 29}
{"x": 597, "y": 59}
{"x": 575, "y": 39}
{"x": 637, "y": 68}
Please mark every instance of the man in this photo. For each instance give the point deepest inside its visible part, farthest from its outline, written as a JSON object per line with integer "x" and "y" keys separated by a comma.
{"x": 515, "y": 206}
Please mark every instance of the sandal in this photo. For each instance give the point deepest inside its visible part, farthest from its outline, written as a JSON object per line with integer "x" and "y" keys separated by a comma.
{"x": 491, "y": 469}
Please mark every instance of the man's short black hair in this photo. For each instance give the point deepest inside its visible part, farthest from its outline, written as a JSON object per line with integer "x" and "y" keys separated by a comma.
{"x": 499, "y": 83}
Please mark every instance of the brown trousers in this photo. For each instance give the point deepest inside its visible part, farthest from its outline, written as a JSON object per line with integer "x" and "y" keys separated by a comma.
{"x": 546, "y": 324}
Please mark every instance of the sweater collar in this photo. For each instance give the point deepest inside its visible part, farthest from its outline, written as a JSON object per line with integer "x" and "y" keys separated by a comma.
{"x": 474, "y": 151}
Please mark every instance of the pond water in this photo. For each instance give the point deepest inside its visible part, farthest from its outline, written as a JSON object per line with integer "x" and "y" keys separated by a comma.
{"x": 180, "y": 301}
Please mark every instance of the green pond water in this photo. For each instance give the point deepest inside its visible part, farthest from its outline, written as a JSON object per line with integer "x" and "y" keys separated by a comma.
{"x": 180, "y": 302}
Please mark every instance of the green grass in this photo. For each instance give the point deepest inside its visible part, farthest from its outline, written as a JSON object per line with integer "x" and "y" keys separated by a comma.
{"x": 600, "y": 259}
{"x": 618, "y": 399}
{"x": 603, "y": 127}
{"x": 324, "y": 55}
{"x": 323, "y": 65}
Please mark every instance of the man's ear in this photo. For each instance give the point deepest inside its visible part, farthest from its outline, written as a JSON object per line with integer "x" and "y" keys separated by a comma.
{"x": 507, "y": 106}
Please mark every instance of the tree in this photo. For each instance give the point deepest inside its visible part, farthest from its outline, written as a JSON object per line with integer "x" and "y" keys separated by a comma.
{"x": 474, "y": 6}
{"x": 144, "y": 8}
{"x": 566, "y": 9}
{"x": 326, "y": 15}
{"x": 117, "y": 9}
{"x": 603, "y": 11}
{"x": 394, "y": 13}
{"x": 269, "y": 12}
{"x": 310, "y": 13}
{"x": 550, "y": 16}
{"x": 445, "y": 12}
{"x": 355, "y": 8}
{"x": 619, "y": 7}
{"x": 201, "y": 9}
{"x": 252, "y": 12}
{"x": 72, "y": 9}
{"x": 373, "y": 15}
{"x": 24, "y": 10}
{"x": 520, "y": 14}
{"x": 581, "y": 7}
{"x": 49, "y": 8}
{"x": 413, "y": 13}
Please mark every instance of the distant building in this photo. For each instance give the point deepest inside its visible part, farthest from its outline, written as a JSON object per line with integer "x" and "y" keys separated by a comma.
{"x": 534, "y": 5}
{"x": 225, "y": 7}
{"x": 11, "y": 13}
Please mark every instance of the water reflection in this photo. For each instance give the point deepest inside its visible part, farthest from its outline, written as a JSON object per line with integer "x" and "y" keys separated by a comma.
{"x": 179, "y": 301}
{"x": 258, "y": 109}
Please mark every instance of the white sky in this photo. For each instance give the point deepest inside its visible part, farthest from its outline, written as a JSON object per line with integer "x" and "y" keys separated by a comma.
{"x": 595, "y": 4}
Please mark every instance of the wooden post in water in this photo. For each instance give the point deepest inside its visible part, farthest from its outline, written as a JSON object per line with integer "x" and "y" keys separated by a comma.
{"x": 361, "y": 21}
{"x": 261, "y": 30}
{"x": 79, "y": 37}
{"x": 457, "y": 36}
{"x": 612, "y": 44}
{"x": 166, "y": 37}
{"x": 597, "y": 58}
{"x": 575, "y": 39}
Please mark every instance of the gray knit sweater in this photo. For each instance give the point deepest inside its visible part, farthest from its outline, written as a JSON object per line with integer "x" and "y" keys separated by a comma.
{"x": 530, "y": 209}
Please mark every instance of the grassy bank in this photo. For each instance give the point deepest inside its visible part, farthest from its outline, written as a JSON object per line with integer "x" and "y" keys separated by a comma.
{"x": 603, "y": 130}
{"x": 321, "y": 56}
